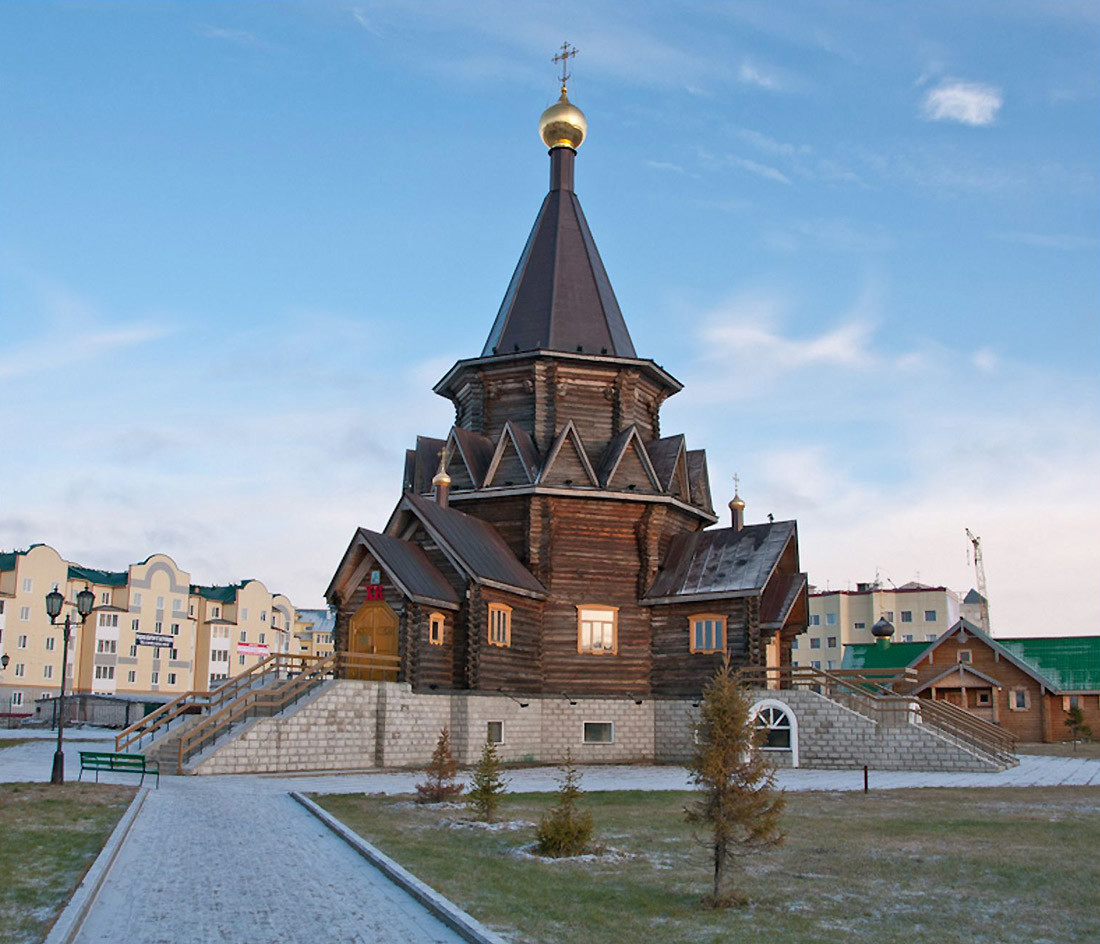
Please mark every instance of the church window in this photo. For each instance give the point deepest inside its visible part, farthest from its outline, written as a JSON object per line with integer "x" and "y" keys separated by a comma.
{"x": 500, "y": 624}
{"x": 494, "y": 732}
{"x": 435, "y": 629}
{"x": 596, "y": 629}
{"x": 965, "y": 656}
{"x": 1018, "y": 699}
{"x": 776, "y": 725}
{"x": 708, "y": 633}
{"x": 599, "y": 732}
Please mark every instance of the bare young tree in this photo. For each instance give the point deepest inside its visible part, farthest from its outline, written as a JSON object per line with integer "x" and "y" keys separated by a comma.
{"x": 439, "y": 777}
{"x": 738, "y": 801}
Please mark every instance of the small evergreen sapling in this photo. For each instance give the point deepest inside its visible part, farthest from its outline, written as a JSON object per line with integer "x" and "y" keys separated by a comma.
{"x": 1077, "y": 727}
{"x": 737, "y": 801}
{"x": 439, "y": 777}
{"x": 565, "y": 830}
{"x": 487, "y": 785}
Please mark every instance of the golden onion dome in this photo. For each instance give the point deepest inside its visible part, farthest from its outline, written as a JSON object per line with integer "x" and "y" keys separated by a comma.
{"x": 441, "y": 479}
{"x": 563, "y": 124}
{"x": 737, "y": 502}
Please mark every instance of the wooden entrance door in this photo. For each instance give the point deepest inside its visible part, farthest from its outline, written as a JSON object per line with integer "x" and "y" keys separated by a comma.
{"x": 372, "y": 631}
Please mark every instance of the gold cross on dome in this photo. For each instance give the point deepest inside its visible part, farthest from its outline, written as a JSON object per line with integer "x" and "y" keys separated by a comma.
{"x": 567, "y": 53}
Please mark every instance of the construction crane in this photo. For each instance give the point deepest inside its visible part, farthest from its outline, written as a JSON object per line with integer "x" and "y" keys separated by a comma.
{"x": 979, "y": 570}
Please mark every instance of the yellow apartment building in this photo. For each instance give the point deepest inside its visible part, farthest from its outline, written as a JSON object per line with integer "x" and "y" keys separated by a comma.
{"x": 314, "y": 636}
{"x": 152, "y": 634}
{"x": 838, "y": 618}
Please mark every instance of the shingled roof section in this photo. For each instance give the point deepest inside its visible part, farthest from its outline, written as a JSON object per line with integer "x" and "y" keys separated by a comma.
{"x": 560, "y": 298}
{"x": 475, "y": 544}
{"x": 409, "y": 567}
{"x": 708, "y": 565}
{"x": 1072, "y": 663}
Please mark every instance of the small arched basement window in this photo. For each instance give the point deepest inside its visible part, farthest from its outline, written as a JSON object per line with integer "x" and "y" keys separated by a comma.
{"x": 779, "y": 725}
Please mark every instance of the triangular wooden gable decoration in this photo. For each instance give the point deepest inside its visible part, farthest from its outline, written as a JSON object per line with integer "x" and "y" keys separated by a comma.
{"x": 567, "y": 463}
{"x": 669, "y": 459}
{"x": 468, "y": 457}
{"x": 515, "y": 461}
{"x": 628, "y": 469}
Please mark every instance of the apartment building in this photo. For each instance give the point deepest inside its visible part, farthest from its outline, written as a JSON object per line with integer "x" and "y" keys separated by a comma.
{"x": 838, "y": 618}
{"x": 152, "y": 634}
{"x": 314, "y": 635}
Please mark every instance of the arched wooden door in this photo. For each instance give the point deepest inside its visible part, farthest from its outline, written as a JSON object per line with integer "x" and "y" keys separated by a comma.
{"x": 372, "y": 631}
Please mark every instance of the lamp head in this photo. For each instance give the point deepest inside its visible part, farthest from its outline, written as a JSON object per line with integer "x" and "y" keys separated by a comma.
{"x": 54, "y": 602}
{"x": 85, "y": 600}
{"x": 4, "y": 660}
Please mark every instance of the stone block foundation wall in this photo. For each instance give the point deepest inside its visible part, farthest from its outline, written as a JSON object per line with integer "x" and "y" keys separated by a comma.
{"x": 354, "y": 725}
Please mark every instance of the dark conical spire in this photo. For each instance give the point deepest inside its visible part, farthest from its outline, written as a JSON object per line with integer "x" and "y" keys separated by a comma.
{"x": 560, "y": 298}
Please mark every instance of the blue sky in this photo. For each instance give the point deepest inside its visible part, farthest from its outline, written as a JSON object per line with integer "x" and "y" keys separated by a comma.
{"x": 240, "y": 241}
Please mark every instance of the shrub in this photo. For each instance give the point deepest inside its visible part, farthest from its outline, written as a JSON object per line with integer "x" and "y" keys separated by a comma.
{"x": 565, "y": 830}
{"x": 487, "y": 785}
{"x": 439, "y": 783}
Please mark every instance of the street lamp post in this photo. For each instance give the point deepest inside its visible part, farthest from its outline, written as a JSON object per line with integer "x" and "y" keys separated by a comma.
{"x": 4, "y": 660}
{"x": 85, "y": 600}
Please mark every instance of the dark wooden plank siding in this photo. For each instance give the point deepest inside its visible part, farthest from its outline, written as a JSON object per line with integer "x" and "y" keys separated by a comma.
{"x": 676, "y": 669}
{"x": 513, "y": 668}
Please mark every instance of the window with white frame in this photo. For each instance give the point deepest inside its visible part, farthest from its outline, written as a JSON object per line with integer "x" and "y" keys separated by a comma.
{"x": 216, "y": 612}
{"x": 830, "y": 619}
{"x": 708, "y": 632}
{"x": 171, "y": 678}
{"x": 191, "y": 609}
{"x": 815, "y": 619}
{"x": 21, "y": 642}
{"x": 175, "y": 629}
{"x": 859, "y": 625}
{"x": 244, "y": 635}
{"x": 907, "y": 637}
{"x": 815, "y": 664}
{"x": 104, "y": 672}
{"x": 240, "y": 660}
{"x": 599, "y": 732}
{"x": 931, "y": 637}
{"x": 131, "y": 676}
{"x": 158, "y": 626}
{"x": 135, "y": 625}
{"x": 219, "y": 655}
{"x": 51, "y": 641}
{"x": 500, "y": 624}
{"x": 596, "y": 628}
{"x": 494, "y": 732}
{"x": 263, "y": 638}
{"x": 28, "y": 584}
{"x": 108, "y": 620}
{"x": 263, "y": 616}
{"x": 106, "y": 645}
{"x": 830, "y": 642}
{"x": 907, "y": 616}
{"x": 24, "y": 613}
{"x": 815, "y": 642}
{"x": 20, "y": 669}
{"x": 154, "y": 678}
{"x": 136, "y": 599}
{"x": 105, "y": 597}
{"x": 930, "y": 616}
{"x": 776, "y": 725}
{"x": 17, "y": 699}
{"x": 173, "y": 654}
{"x": 244, "y": 612}
{"x": 160, "y": 603}
{"x": 133, "y": 652}
{"x": 177, "y": 605}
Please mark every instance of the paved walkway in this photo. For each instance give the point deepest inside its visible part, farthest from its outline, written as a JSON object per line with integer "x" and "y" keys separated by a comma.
{"x": 260, "y": 869}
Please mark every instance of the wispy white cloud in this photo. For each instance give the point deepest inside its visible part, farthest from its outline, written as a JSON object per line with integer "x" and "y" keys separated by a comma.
{"x": 1063, "y": 241}
{"x": 834, "y": 235}
{"x": 58, "y": 350}
{"x": 360, "y": 17}
{"x": 236, "y": 36}
{"x": 761, "y": 170}
{"x": 750, "y": 74}
{"x": 664, "y": 165}
{"x": 969, "y": 103}
{"x": 770, "y": 145}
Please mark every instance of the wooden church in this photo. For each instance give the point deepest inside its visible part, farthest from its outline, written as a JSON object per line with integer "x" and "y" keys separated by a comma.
{"x": 556, "y": 540}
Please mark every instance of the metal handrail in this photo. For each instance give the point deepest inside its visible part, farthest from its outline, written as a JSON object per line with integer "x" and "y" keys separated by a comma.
{"x": 870, "y": 693}
{"x": 184, "y": 704}
{"x": 270, "y": 701}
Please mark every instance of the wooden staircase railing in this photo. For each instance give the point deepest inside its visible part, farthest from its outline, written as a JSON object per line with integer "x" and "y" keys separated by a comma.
{"x": 265, "y": 702}
{"x": 190, "y": 703}
{"x": 870, "y": 692}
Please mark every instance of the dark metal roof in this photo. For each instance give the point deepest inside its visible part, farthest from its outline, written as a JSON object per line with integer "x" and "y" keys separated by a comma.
{"x": 560, "y": 298}
{"x": 615, "y": 450}
{"x": 476, "y": 451}
{"x": 664, "y": 453}
{"x": 409, "y": 568}
{"x": 721, "y": 562}
{"x": 973, "y": 597}
{"x": 699, "y": 479}
{"x": 475, "y": 544}
{"x": 427, "y": 462}
{"x": 779, "y": 598}
{"x": 108, "y": 578}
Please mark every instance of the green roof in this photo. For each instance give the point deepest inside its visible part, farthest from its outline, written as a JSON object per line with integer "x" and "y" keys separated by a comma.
{"x": 7, "y": 560}
{"x": 107, "y": 578}
{"x": 1072, "y": 663}
{"x": 218, "y": 594}
{"x": 871, "y": 655}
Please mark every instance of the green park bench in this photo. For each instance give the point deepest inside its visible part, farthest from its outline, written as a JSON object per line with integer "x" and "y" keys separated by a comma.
{"x": 135, "y": 763}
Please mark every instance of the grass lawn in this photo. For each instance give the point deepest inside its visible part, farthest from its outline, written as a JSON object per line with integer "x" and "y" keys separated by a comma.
{"x": 915, "y": 866}
{"x": 14, "y": 742}
{"x": 49, "y": 837}
{"x": 1085, "y": 749}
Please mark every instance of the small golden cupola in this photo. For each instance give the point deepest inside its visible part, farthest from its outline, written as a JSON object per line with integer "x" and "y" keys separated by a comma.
{"x": 737, "y": 507}
{"x": 563, "y": 124}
